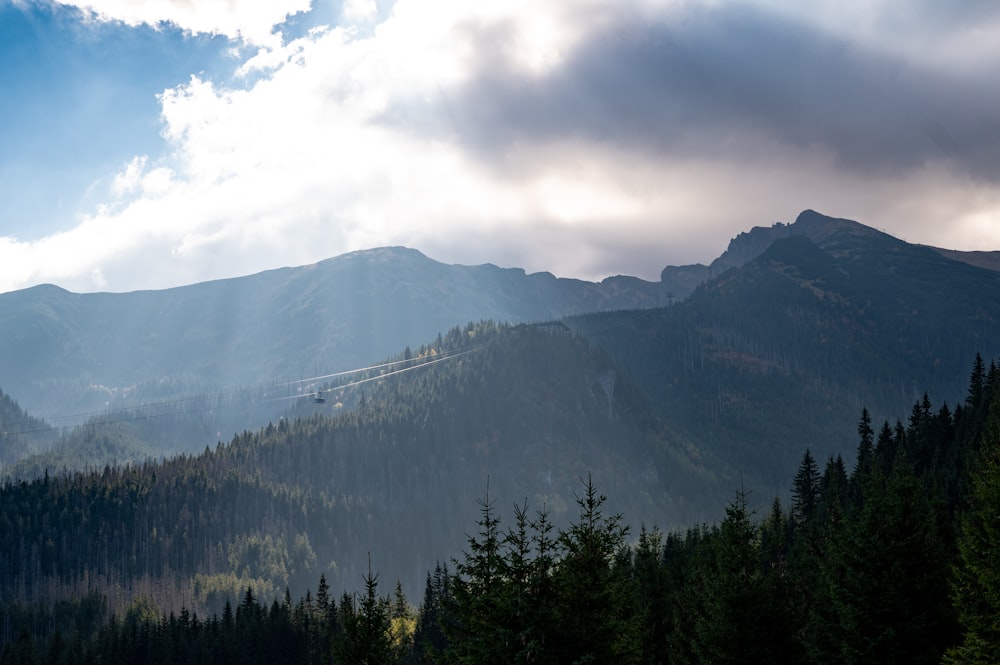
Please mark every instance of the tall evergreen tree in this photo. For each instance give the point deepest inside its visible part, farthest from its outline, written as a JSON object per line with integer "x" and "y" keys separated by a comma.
{"x": 885, "y": 577}
{"x": 652, "y": 593}
{"x": 479, "y": 635}
{"x": 595, "y": 623}
{"x": 976, "y": 582}
{"x": 833, "y": 489}
{"x": 886, "y": 447}
{"x": 865, "y": 454}
{"x": 744, "y": 618}
{"x": 526, "y": 607}
{"x": 805, "y": 491}
{"x": 364, "y": 637}
{"x": 977, "y": 383}
{"x": 429, "y": 640}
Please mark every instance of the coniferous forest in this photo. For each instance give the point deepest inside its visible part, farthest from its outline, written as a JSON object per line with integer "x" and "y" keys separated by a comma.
{"x": 886, "y": 558}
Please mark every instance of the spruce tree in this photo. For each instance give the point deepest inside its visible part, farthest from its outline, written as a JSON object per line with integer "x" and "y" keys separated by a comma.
{"x": 435, "y": 615}
{"x": 865, "y": 455}
{"x": 595, "y": 623}
{"x": 364, "y": 637}
{"x": 976, "y": 580}
{"x": 652, "y": 593}
{"x": 744, "y": 619}
{"x": 885, "y": 579}
{"x": 479, "y": 633}
{"x": 805, "y": 491}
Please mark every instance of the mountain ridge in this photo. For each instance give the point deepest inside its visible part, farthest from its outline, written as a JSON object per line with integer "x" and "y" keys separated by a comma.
{"x": 279, "y": 324}
{"x": 778, "y": 349}
{"x": 671, "y": 407}
{"x": 66, "y": 353}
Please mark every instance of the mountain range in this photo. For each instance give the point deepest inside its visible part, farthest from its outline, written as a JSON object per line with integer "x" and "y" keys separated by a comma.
{"x": 64, "y": 352}
{"x": 85, "y": 350}
{"x": 670, "y": 402}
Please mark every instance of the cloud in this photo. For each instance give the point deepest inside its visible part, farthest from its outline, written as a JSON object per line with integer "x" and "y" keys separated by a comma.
{"x": 582, "y": 138}
{"x": 128, "y": 180}
{"x": 718, "y": 80}
{"x": 249, "y": 20}
{"x": 958, "y": 34}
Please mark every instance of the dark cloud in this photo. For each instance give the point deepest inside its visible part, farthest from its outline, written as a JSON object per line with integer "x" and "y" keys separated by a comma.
{"x": 695, "y": 85}
{"x": 946, "y": 15}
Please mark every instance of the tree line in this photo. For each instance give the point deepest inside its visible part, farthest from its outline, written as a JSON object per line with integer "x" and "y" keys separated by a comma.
{"x": 888, "y": 562}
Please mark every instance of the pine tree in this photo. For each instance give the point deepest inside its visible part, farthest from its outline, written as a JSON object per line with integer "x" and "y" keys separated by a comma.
{"x": 403, "y": 624}
{"x": 650, "y": 586}
{"x": 833, "y": 489}
{"x": 775, "y": 539}
{"x": 886, "y": 447}
{"x": 435, "y": 613}
{"x": 365, "y": 635}
{"x": 977, "y": 384}
{"x": 885, "y": 578}
{"x": 805, "y": 491}
{"x": 479, "y": 634}
{"x": 595, "y": 623}
{"x": 744, "y": 619}
{"x": 523, "y": 607}
{"x": 976, "y": 582}
{"x": 865, "y": 455}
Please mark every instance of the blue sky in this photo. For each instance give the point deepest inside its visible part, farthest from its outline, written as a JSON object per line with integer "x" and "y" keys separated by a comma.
{"x": 151, "y": 143}
{"x": 81, "y": 102}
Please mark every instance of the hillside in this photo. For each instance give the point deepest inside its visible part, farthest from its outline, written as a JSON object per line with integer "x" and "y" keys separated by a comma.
{"x": 71, "y": 357}
{"x": 775, "y": 355}
{"x": 888, "y": 555}
{"x": 63, "y": 352}
{"x": 526, "y": 413}
{"x": 20, "y": 433}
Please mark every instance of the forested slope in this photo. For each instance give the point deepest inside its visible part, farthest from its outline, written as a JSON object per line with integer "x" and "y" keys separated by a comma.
{"x": 527, "y": 410}
{"x": 884, "y": 561}
{"x": 767, "y": 358}
{"x": 20, "y": 433}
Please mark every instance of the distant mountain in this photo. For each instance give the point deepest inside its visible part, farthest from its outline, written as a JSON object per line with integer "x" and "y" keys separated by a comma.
{"x": 681, "y": 281}
{"x": 988, "y": 260}
{"x": 812, "y": 321}
{"x": 62, "y": 352}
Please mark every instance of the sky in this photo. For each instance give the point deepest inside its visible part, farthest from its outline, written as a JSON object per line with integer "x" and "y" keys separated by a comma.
{"x": 153, "y": 143}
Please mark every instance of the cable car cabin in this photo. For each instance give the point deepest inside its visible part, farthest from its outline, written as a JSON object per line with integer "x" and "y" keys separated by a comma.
{"x": 319, "y": 399}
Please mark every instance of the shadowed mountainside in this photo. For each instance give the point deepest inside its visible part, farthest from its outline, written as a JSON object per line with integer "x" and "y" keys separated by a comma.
{"x": 775, "y": 355}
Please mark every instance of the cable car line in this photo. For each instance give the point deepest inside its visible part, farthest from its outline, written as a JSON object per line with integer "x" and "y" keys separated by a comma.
{"x": 351, "y": 384}
{"x": 127, "y": 414}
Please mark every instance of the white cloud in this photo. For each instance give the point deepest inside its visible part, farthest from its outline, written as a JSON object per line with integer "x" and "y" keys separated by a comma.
{"x": 250, "y": 20}
{"x": 356, "y": 12}
{"x": 302, "y": 164}
{"x": 128, "y": 180}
